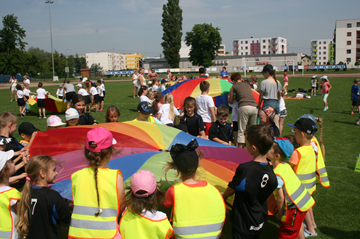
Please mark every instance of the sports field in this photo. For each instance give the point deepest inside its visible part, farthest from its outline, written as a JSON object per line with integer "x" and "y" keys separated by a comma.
{"x": 337, "y": 207}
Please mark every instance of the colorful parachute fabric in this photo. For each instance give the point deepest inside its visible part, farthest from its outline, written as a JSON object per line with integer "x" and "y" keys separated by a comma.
{"x": 142, "y": 145}
{"x": 52, "y": 104}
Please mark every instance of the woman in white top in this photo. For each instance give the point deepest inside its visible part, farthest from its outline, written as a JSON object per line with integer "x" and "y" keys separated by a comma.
{"x": 168, "y": 76}
{"x": 13, "y": 83}
{"x": 135, "y": 78}
{"x": 168, "y": 112}
{"x": 141, "y": 78}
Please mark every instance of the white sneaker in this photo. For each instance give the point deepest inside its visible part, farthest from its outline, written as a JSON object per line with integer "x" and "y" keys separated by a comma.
{"x": 309, "y": 234}
{"x": 44, "y": 117}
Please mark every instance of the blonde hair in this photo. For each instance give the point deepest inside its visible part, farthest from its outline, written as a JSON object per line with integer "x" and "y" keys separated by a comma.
{"x": 7, "y": 117}
{"x": 32, "y": 169}
{"x": 169, "y": 99}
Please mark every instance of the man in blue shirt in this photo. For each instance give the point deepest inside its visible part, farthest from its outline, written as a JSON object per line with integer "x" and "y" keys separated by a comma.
{"x": 224, "y": 73}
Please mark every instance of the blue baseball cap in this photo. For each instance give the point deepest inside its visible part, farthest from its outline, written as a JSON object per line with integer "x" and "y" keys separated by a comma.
{"x": 145, "y": 108}
{"x": 308, "y": 116}
{"x": 285, "y": 145}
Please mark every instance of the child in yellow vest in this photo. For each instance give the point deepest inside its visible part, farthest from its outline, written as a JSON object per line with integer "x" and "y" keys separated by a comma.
{"x": 9, "y": 196}
{"x": 141, "y": 218}
{"x": 98, "y": 192}
{"x": 303, "y": 162}
{"x": 292, "y": 198}
{"x": 198, "y": 207}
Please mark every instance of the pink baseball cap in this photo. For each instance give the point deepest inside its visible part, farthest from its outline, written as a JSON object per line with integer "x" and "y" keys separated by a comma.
{"x": 99, "y": 138}
{"x": 143, "y": 180}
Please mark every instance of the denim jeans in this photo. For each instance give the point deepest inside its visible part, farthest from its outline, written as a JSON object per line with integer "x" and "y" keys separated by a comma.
{"x": 272, "y": 103}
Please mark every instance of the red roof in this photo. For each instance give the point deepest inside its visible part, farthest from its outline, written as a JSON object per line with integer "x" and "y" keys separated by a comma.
{"x": 85, "y": 69}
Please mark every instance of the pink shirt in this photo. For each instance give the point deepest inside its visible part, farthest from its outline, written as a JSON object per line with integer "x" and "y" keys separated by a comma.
{"x": 286, "y": 79}
{"x": 325, "y": 87}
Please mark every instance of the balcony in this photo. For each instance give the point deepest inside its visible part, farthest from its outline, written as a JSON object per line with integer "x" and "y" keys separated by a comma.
{"x": 236, "y": 45}
{"x": 315, "y": 60}
{"x": 236, "y": 50}
{"x": 314, "y": 50}
{"x": 273, "y": 48}
{"x": 314, "y": 45}
{"x": 273, "y": 43}
{"x": 314, "y": 55}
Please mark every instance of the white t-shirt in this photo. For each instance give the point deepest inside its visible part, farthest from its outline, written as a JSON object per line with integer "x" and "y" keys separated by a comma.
{"x": 83, "y": 92}
{"x": 164, "y": 111}
{"x": 60, "y": 92}
{"x": 27, "y": 81}
{"x": 255, "y": 86}
{"x": 20, "y": 94}
{"x": 12, "y": 211}
{"x": 204, "y": 102}
{"x": 93, "y": 91}
{"x": 234, "y": 111}
{"x": 101, "y": 90}
{"x": 41, "y": 93}
{"x": 155, "y": 88}
{"x": 27, "y": 92}
{"x": 145, "y": 98}
{"x": 282, "y": 104}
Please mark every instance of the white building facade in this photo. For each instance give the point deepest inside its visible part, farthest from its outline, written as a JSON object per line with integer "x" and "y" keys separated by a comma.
{"x": 322, "y": 51}
{"x": 108, "y": 60}
{"x": 347, "y": 41}
{"x": 260, "y": 46}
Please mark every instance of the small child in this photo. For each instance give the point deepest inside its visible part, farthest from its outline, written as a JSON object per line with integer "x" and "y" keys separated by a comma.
{"x": 156, "y": 104}
{"x": 85, "y": 95}
{"x": 41, "y": 93}
{"x": 220, "y": 131}
{"x": 112, "y": 114}
{"x": 192, "y": 123}
{"x": 71, "y": 117}
{"x": 41, "y": 209}
{"x": 286, "y": 83}
{"x": 27, "y": 92}
{"x": 206, "y": 106}
{"x": 155, "y": 86}
{"x": 95, "y": 98}
{"x": 313, "y": 84}
{"x": 150, "y": 94}
{"x": 282, "y": 112}
{"x": 293, "y": 200}
{"x": 167, "y": 112}
{"x": 27, "y": 132}
{"x": 267, "y": 117}
{"x": 204, "y": 218}
{"x": 252, "y": 184}
{"x": 101, "y": 90}
{"x": 141, "y": 218}
{"x": 162, "y": 86}
{"x": 93, "y": 183}
{"x": 60, "y": 92}
{"x": 78, "y": 103}
{"x": 325, "y": 91}
{"x": 354, "y": 96}
{"x": 9, "y": 196}
{"x": 144, "y": 113}
{"x": 54, "y": 122}
{"x": 20, "y": 100}
{"x": 234, "y": 119}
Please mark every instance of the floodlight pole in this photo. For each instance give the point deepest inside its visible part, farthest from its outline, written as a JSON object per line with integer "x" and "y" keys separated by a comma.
{"x": 52, "y": 51}
{"x": 66, "y": 61}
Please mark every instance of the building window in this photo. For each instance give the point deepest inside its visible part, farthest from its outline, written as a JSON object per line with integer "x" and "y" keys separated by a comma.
{"x": 324, "y": 63}
{"x": 324, "y": 42}
{"x": 264, "y": 52}
{"x": 348, "y": 34}
{"x": 246, "y": 53}
{"x": 349, "y": 25}
{"x": 242, "y": 53}
{"x": 348, "y": 43}
{"x": 241, "y": 48}
{"x": 324, "y": 52}
{"x": 253, "y": 41}
{"x": 246, "y": 42}
{"x": 319, "y": 42}
{"x": 348, "y": 59}
{"x": 348, "y": 51}
{"x": 324, "y": 47}
{"x": 319, "y": 53}
{"x": 358, "y": 24}
{"x": 319, "y": 47}
{"x": 264, "y": 41}
{"x": 241, "y": 42}
{"x": 324, "y": 58}
{"x": 319, "y": 58}
{"x": 264, "y": 47}
{"x": 246, "y": 48}
{"x": 269, "y": 52}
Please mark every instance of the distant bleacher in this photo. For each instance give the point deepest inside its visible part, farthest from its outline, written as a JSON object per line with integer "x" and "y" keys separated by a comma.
{"x": 6, "y": 78}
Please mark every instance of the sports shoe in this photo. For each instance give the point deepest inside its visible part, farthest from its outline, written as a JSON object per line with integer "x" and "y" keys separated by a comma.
{"x": 101, "y": 109}
{"x": 44, "y": 117}
{"x": 309, "y": 234}
{"x": 352, "y": 113}
{"x": 39, "y": 117}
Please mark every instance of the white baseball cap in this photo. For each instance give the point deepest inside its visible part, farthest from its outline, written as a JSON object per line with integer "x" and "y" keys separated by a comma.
{"x": 4, "y": 157}
{"x": 79, "y": 85}
{"x": 85, "y": 79}
{"x": 53, "y": 121}
{"x": 71, "y": 113}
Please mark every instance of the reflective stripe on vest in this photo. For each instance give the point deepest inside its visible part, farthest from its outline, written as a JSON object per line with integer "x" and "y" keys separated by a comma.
{"x": 295, "y": 192}
{"x": 84, "y": 223}
{"x": 6, "y": 221}
{"x": 306, "y": 168}
{"x": 133, "y": 225}
{"x": 206, "y": 237}
{"x": 207, "y": 216}
{"x": 320, "y": 165}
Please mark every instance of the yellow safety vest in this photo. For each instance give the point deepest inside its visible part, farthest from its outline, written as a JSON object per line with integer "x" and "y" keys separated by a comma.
{"x": 84, "y": 224}
{"x": 150, "y": 119}
{"x": 306, "y": 168}
{"x": 198, "y": 211}
{"x": 322, "y": 176}
{"x": 6, "y": 221}
{"x": 294, "y": 191}
{"x": 137, "y": 226}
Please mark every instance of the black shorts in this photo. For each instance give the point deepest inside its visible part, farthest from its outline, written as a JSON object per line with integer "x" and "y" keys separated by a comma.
{"x": 101, "y": 98}
{"x": 87, "y": 99}
{"x": 20, "y": 102}
{"x": 61, "y": 97}
{"x": 41, "y": 103}
{"x": 70, "y": 95}
{"x": 354, "y": 103}
{"x": 104, "y": 94}
{"x": 26, "y": 97}
{"x": 235, "y": 126}
{"x": 312, "y": 87}
{"x": 96, "y": 99}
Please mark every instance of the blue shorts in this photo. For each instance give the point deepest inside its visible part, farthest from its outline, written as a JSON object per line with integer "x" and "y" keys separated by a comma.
{"x": 272, "y": 103}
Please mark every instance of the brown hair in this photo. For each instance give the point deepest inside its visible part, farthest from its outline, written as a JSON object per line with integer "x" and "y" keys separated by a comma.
{"x": 40, "y": 84}
{"x": 141, "y": 90}
{"x": 204, "y": 85}
{"x": 277, "y": 150}
{"x": 235, "y": 77}
{"x": 77, "y": 98}
{"x": 223, "y": 111}
{"x": 157, "y": 99}
{"x": 32, "y": 169}
{"x": 190, "y": 100}
{"x": 139, "y": 204}
{"x": 112, "y": 108}
{"x": 292, "y": 140}
{"x": 7, "y": 117}
{"x": 260, "y": 136}
{"x": 18, "y": 87}
{"x": 4, "y": 171}
{"x": 95, "y": 158}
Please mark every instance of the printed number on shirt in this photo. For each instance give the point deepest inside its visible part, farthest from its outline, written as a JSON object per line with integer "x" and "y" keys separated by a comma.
{"x": 264, "y": 181}
{"x": 33, "y": 204}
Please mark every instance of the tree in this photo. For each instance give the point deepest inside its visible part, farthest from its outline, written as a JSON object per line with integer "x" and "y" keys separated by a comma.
{"x": 79, "y": 63}
{"x": 204, "y": 40}
{"x": 172, "y": 27}
{"x": 11, "y": 45}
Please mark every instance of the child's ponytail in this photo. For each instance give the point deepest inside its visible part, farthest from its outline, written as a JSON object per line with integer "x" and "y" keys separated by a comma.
{"x": 23, "y": 209}
{"x": 272, "y": 73}
{"x": 170, "y": 100}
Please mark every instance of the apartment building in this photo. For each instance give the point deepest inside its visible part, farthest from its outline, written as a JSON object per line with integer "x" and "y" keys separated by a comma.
{"x": 260, "y": 46}
{"x": 132, "y": 60}
{"x": 222, "y": 50}
{"x": 347, "y": 41}
{"x": 322, "y": 51}
{"x": 107, "y": 60}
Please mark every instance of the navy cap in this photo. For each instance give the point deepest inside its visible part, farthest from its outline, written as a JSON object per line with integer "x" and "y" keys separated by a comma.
{"x": 145, "y": 108}
{"x": 306, "y": 125}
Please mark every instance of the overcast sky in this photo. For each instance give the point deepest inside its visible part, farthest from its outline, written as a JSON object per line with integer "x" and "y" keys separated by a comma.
{"x": 129, "y": 26}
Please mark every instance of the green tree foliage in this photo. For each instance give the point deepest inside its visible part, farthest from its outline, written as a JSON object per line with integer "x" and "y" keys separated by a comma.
{"x": 79, "y": 63}
{"x": 204, "y": 40}
{"x": 172, "y": 27}
{"x": 11, "y": 45}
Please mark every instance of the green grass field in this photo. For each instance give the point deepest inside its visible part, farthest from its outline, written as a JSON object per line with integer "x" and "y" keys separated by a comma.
{"x": 337, "y": 207}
